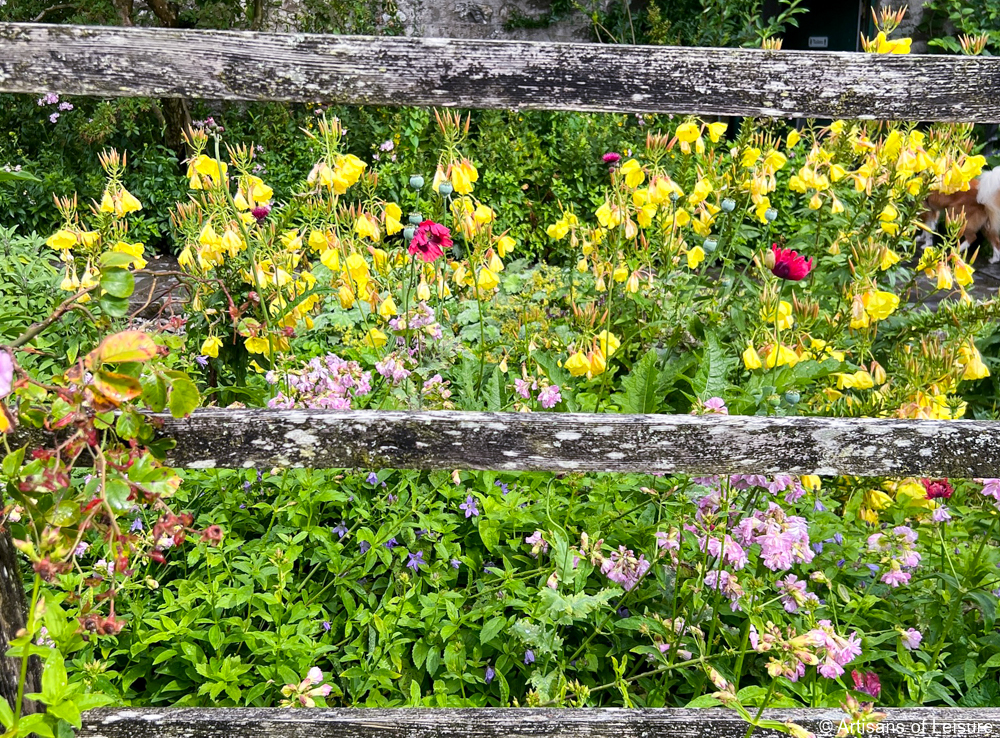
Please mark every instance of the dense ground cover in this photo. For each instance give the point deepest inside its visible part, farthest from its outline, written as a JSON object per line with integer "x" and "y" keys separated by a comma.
{"x": 681, "y": 266}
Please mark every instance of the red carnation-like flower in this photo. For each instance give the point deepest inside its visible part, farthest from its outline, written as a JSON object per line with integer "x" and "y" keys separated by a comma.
{"x": 430, "y": 241}
{"x": 789, "y": 264}
{"x": 937, "y": 488}
{"x": 612, "y": 158}
{"x": 867, "y": 682}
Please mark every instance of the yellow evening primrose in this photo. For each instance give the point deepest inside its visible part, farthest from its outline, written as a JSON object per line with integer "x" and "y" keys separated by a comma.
{"x": 783, "y": 315}
{"x": 634, "y": 176}
{"x": 876, "y": 499}
{"x": 963, "y": 272}
{"x": 810, "y": 482}
{"x": 620, "y": 274}
{"x": 330, "y": 258}
{"x": 135, "y": 250}
{"x": 211, "y": 346}
{"x": 793, "y": 138}
{"x": 781, "y": 357}
{"x": 716, "y": 131}
{"x": 609, "y": 343}
{"x": 61, "y": 240}
{"x": 695, "y": 256}
{"x": 751, "y": 359}
{"x": 682, "y": 217}
{"x": 346, "y": 297}
{"x": 205, "y": 166}
{"x": 318, "y": 241}
{"x": 687, "y": 132}
{"x": 487, "y": 279}
{"x": 393, "y": 218}
{"x": 577, "y": 364}
{"x": 505, "y": 244}
{"x": 388, "y": 307}
{"x": 879, "y": 305}
{"x": 558, "y": 230}
{"x": 702, "y": 189}
{"x": 375, "y": 338}
{"x": 944, "y": 279}
{"x": 889, "y": 258}
{"x": 258, "y": 345}
{"x": 749, "y": 157}
{"x": 495, "y": 263}
{"x": 366, "y": 227}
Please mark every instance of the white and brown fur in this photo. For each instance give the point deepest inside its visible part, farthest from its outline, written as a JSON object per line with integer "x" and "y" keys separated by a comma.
{"x": 981, "y": 204}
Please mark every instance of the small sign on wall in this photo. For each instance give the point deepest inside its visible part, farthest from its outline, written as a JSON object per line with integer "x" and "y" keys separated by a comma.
{"x": 819, "y": 42}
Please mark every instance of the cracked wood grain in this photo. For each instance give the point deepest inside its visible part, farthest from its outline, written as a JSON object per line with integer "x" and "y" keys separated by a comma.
{"x": 565, "y": 442}
{"x": 245, "y": 65}
{"x": 508, "y": 723}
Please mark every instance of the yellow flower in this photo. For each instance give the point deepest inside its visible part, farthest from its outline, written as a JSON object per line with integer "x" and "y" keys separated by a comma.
{"x": 483, "y": 214}
{"x": 751, "y": 359}
{"x": 702, "y": 189}
{"x": 135, "y": 250}
{"x": 815, "y": 202}
{"x": 375, "y": 338}
{"x": 357, "y": 267}
{"x": 682, "y": 217}
{"x": 974, "y": 366}
{"x": 609, "y": 343}
{"x": 388, "y": 307}
{"x": 620, "y": 273}
{"x": 781, "y": 357}
{"x": 487, "y": 279}
{"x": 205, "y": 166}
{"x": 505, "y": 244}
{"x": 944, "y": 281}
{"x": 783, "y": 315}
{"x": 963, "y": 272}
{"x": 366, "y": 227}
{"x": 717, "y": 131}
{"x": 423, "y": 291}
{"x": 258, "y": 345}
{"x": 62, "y": 240}
{"x": 889, "y": 258}
{"x": 695, "y": 256}
{"x": 810, "y": 482}
{"x": 558, "y": 230}
{"x": 495, "y": 263}
{"x": 463, "y": 175}
{"x": 393, "y": 218}
{"x": 749, "y": 157}
{"x": 911, "y": 493}
{"x": 632, "y": 285}
{"x": 793, "y": 138}
{"x": 330, "y": 258}
{"x": 577, "y": 364}
{"x": 211, "y": 346}
{"x": 598, "y": 363}
{"x": 232, "y": 243}
{"x": 608, "y": 217}
{"x": 346, "y": 297}
{"x": 774, "y": 161}
{"x": 687, "y": 132}
{"x": 634, "y": 176}
{"x": 876, "y": 499}
{"x": 208, "y": 236}
{"x": 886, "y": 46}
{"x": 879, "y": 305}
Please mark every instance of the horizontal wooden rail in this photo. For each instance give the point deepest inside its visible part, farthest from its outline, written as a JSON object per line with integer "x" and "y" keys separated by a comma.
{"x": 513, "y": 723}
{"x": 564, "y": 442}
{"x": 242, "y": 65}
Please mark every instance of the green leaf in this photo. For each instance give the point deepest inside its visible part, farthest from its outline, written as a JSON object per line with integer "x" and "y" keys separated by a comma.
{"x": 117, "y": 494}
{"x": 54, "y": 679}
{"x": 117, "y": 282}
{"x": 642, "y": 391}
{"x": 710, "y": 381}
{"x": 67, "y": 711}
{"x": 183, "y": 395}
{"x": 705, "y": 700}
{"x": 414, "y": 693}
{"x": 6, "y": 714}
{"x": 116, "y": 307}
{"x": 491, "y": 629}
{"x": 115, "y": 260}
{"x": 6, "y": 176}
{"x": 12, "y": 463}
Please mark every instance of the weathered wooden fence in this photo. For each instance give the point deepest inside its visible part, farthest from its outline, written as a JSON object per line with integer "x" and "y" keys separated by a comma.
{"x": 110, "y": 62}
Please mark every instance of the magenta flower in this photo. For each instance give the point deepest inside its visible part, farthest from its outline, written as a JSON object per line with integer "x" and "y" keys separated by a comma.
{"x": 611, "y": 158}
{"x": 430, "y": 241}
{"x": 867, "y": 682}
{"x": 622, "y": 567}
{"x": 937, "y": 488}
{"x": 6, "y": 373}
{"x": 550, "y": 396}
{"x": 789, "y": 264}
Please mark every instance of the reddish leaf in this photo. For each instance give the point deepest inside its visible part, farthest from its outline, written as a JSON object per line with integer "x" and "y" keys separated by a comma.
{"x": 117, "y": 388}
{"x": 124, "y": 346}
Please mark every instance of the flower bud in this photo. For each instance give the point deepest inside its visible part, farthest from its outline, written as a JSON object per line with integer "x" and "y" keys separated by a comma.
{"x": 409, "y": 233}
{"x": 770, "y": 214}
{"x": 710, "y": 244}
{"x": 728, "y": 205}
{"x": 445, "y": 189}
{"x": 416, "y": 218}
{"x": 769, "y": 260}
{"x": 416, "y": 181}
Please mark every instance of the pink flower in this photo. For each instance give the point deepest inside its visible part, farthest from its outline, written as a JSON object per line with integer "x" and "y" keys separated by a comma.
{"x": 716, "y": 405}
{"x": 991, "y": 488}
{"x": 6, "y": 373}
{"x": 867, "y": 682}
{"x": 550, "y": 396}
{"x": 538, "y": 544}
{"x": 789, "y": 264}
{"x": 611, "y": 158}
{"x": 937, "y": 488}
{"x": 622, "y": 567}
{"x": 430, "y": 241}
{"x": 911, "y": 639}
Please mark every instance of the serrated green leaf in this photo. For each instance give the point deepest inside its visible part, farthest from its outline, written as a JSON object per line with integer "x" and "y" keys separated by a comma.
{"x": 642, "y": 392}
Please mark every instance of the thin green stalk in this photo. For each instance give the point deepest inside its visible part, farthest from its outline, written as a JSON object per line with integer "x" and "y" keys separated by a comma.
{"x": 22, "y": 678}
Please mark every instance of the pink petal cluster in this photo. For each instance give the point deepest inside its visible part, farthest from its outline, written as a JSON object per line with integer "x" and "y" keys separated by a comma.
{"x": 897, "y": 550}
{"x": 783, "y": 538}
{"x": 324, "y": 383}
{"x": 624, "y": 568}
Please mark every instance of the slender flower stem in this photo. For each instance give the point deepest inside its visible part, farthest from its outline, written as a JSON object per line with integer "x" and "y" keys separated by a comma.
{"x": 22, "y": 678}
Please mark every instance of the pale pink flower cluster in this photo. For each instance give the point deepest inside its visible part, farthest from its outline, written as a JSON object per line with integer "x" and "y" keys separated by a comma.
{"x": 538, "y": 543}
{"x": 624, "y": 568}
{"x": 303, "y": 693}
{"x": 783, "y": 538}
{"x": 422, "y": 318}
{"x": 835, "y": 651}
{"x": 325, "y": 383}
{"x": 897, "y": 551}
{"x": 394, "y": 368}
{"x": 548, "y": 396}
{"x": 728, "y": 584}
{"x": 791, "y": 653}
{"x": 794, "y": 594}
{"x": 991, "y": 488}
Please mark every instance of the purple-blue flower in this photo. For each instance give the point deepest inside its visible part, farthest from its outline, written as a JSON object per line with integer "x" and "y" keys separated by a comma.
{"x": 391, "y": 543}
{"x": 469, "y": 506}
{"x": 490, "y": 673}
{"x": 364, "y": 546}
{"x": 136, "y": 525}
{"x": 201, "y": 360}
{"x": 502, "y": 486}
{"x": 372, "y": 478}
{"x": 455, "y": 563}
{"x": 416, "y": 560}
{"x": 326, "y": 625}
{"x": 340, "y": 529}
{"x": 529, "y": 656}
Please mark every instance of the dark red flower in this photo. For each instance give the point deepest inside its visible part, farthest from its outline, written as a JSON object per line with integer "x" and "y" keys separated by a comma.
{"x": 789, "y": 264}
{"x": 612, "y": 158}
{"x": 260, "y": 212}
{"x": 867, "y": 682}
{"x": 937, "y": 488}
{"x": 430, "y": 241}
